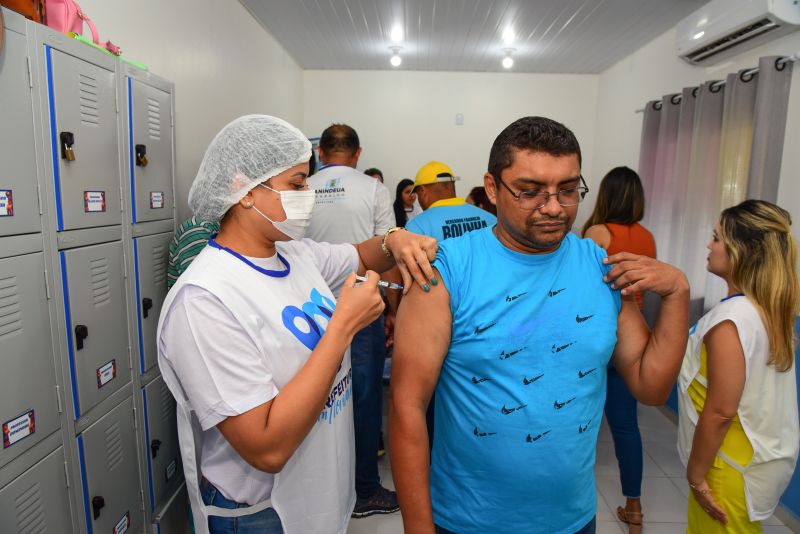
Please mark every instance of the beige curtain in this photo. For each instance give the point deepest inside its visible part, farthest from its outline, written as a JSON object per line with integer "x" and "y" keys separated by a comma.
{"x": 649, "y": 146}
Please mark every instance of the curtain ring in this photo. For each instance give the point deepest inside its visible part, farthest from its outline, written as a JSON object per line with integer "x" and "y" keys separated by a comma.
{"x": 715, "y": 87}
{"x": 747, "y": 75}
{"x": 657, "y": 105}
{"x": 676, "y": 99}
{"x": 695, "y": 91}
{"x": 780, "y": 64}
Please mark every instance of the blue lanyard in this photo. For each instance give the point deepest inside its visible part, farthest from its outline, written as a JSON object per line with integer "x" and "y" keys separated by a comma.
{"x": 734, "y": 295}
{"x": 330, "y": 165}
{"x": 274, "y": 274}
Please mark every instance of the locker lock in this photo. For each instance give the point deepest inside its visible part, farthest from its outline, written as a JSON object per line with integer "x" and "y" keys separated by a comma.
{"x": 97, "y": 503}
{"x": 67, "y": 140}
{"x": 141, "y": 156}
{"x": 154, "y": 446}
{"x": 147, "y": 303}
{"x": 81, "y": 333}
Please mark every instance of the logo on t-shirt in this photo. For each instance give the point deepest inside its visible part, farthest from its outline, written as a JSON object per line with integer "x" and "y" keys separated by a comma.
{"x": 304, "y": 322}
{"x": 457, "y": 227}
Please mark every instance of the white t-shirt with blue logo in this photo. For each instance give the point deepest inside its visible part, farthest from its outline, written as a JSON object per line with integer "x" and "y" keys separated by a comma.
{"x": 235, "y": 337}
{"x": 521, "y": 392}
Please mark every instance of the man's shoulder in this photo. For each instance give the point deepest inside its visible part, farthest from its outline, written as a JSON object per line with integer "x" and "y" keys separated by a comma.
{"x": 330, "y": 177}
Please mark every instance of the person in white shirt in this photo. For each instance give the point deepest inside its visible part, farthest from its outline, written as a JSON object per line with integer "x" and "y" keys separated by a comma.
{"x": 738, "y": 427}
{"x": 351, "y": 207}
{"x": 254, "y": 346}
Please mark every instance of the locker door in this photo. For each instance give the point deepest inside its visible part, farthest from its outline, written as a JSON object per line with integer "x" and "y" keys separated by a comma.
{"x": 83, "y": 122}
{"x": 37, "y": 501}
{"x": 19, "y": 207}
{"x": 28, "y": 404}
{"x": 161, "y": 432}
{"x": 94, "y": 298}
{"x": 110, "y": 472}
{"x": 150, "y": 136}
{"x": 151, "y": 255}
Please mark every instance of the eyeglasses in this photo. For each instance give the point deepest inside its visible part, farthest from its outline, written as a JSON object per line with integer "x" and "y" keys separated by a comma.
{"x": 535, "y": 199}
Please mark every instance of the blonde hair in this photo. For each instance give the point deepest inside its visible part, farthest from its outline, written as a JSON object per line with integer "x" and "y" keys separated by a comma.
{"x": 763, "y": 254}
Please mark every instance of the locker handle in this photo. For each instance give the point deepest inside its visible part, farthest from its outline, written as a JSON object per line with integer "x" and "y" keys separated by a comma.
{"x": 147, "y": 303}
{"x": 141, "y": 156}
{"x": 67, "y": 140}
{"x": 81, "y": 333}
{"x": 154, "y": 446}
{"x": 97, "y": 503}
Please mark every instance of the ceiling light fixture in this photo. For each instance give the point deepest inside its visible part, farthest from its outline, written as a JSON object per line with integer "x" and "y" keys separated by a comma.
{"x": 698, "y": 35}
{"x": 508, "y": 36}
{"x": 396, "y": 60}
{"x": 397, "y": 34}
{"x": 508, "y": 61}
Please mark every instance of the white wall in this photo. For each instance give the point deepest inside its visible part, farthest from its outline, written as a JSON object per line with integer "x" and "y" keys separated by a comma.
{"x": 405, "y": 119}
{"x": 222, "y": 61}
{"x": 655, "y": 70}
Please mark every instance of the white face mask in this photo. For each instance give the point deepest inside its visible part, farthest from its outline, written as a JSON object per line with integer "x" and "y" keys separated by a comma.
{"x": 298, "y": 206}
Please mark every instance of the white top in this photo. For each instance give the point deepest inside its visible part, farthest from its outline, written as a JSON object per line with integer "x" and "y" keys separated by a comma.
{"x": 413, "y": 212}
{"x": 234, "y": 337}
{"x": 351, "y": 207}
{"x": 767, "y": 409}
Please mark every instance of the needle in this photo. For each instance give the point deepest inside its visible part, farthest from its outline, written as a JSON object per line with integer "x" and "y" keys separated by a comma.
{"x": 388, "y": 285}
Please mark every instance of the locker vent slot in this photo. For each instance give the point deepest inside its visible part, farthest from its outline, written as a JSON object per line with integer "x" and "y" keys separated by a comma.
{"x": 101, "y": 292}
{"x": 114, "y": 446}
{"x": 167, "y": 405}
{"x": 30, "y": 511}
{"x": 89, "y": 99}
{"x": 159, "y": 264}
{"x": 10, "y": 311}
{"x": 154, "y": 119}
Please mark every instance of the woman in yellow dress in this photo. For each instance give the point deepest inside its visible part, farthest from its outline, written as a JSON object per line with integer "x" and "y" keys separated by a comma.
{"x": 738, "y": 428}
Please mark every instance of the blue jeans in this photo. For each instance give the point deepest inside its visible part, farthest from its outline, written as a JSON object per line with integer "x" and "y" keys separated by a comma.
{"x": 621, "y": 415}
{"x": 368, "y": 352}
{"x": 589, "y": 528}
{"x": 263, "y": 522}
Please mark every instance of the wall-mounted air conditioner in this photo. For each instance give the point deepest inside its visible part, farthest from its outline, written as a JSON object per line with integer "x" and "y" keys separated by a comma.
{"x": 723, "y": 28}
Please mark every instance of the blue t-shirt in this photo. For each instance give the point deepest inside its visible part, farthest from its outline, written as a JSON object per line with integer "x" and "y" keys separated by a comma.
{"x": 521, "y": 391}
{"x": 450, "y": 220}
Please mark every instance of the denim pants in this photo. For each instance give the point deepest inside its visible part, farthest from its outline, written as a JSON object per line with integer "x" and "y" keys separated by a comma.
{"x": 621, "y": 415}
{"x": 589, "y": 528}
{"x": 263, "y": 522}
{"x": 368, "y": 352}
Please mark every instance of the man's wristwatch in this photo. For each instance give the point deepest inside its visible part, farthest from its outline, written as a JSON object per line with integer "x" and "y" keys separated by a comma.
{"x": 389, "y": 232}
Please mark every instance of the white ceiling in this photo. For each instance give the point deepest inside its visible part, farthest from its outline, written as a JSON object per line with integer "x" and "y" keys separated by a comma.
{"x": 563, "y": 36}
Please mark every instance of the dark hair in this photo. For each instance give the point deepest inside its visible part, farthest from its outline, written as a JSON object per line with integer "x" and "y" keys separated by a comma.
{"x": 481, "y": 200}
{"x": 400, "y": 216}
{"x": 339, "y": 138}
{"x": 312, "y": 163}
{"x": 620, "y": 199}
{"x": 537, "y": 134}
{"x": 373, "y": 170}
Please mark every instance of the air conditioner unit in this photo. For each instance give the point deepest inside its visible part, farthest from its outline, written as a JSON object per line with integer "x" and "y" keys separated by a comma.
{"x": 723, "y": 28}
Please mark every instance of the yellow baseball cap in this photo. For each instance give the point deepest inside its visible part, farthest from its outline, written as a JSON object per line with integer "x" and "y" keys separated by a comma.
{"x": 433, "y": 172}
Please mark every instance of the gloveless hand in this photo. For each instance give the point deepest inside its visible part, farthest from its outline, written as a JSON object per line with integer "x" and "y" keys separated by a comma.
{"x": 633, "y": 273}
{"x": 413, "y": 254}
{"x": 359, "y": 304}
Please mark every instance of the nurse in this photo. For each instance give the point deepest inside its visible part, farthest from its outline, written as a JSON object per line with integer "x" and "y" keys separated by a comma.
{"x": 255, "y": 348}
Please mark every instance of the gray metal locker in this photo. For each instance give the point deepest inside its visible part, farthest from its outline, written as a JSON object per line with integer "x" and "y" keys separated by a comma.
{"x": 150, "y": 254}
{"x": 19, "y": 205}
{"x": 110, "y": 473}
{"x": 94, "y": 303}
{"x": 28, "y": 399}
{"x": 161, "y": 433}
{"x": 83, "y": 135}
{"x": 173, "y": 519}
{"x": 37, "y": 501}
{"x": 150, "y": 151}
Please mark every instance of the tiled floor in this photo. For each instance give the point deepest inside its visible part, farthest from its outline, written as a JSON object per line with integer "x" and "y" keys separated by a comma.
{"x": 664, "y": 488}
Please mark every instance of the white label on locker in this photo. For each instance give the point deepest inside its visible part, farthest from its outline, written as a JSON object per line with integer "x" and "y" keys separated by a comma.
{"x": 122, "y": 525}
{"x": 156, "y": 200}
{"x": 170, "y": 470}
{"x": 6, "y": 203}
{"x": 94, "y": 201}
{"x": 18, "y": 428}
{"x": 106, "y": 373}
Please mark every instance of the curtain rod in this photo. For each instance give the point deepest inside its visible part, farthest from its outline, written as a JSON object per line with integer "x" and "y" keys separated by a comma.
{"x": 715, "y": 86}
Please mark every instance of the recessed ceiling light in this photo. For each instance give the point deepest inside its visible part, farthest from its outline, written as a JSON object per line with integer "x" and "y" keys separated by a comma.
{"x": 397, "y": 34}
{"x": 698, "y": 35}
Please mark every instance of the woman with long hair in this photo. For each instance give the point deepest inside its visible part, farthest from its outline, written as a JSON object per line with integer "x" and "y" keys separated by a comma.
{"x": 404, "y": 198}
{"x": 738, "y": 428}
{"x": 614, "y": 226}
{"x": 477, "y": 197}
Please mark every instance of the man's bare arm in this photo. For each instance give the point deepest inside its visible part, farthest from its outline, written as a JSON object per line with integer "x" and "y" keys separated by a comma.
{"x": 422, "y": 338}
